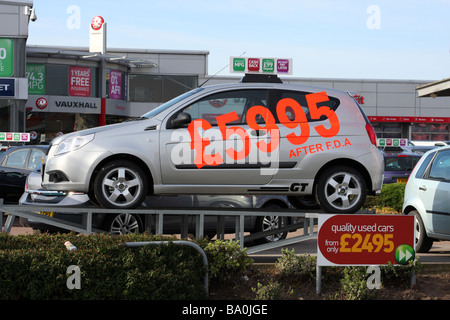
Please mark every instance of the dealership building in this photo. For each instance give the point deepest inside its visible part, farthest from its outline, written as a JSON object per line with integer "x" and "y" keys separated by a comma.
{"x": 73, "y": 88}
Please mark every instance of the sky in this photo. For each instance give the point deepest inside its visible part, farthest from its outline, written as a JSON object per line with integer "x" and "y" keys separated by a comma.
{"x": 353, "y": 39}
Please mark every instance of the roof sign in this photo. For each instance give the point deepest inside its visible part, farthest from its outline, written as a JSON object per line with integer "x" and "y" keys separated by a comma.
{"x": 392, "y": 142}
{"x": 14, "y": 136}
{"x": 261, "y": 65}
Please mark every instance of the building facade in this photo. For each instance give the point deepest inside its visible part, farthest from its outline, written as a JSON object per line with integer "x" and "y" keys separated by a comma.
{"x": 14, "y": 20}
{"x": 71, "y": 89}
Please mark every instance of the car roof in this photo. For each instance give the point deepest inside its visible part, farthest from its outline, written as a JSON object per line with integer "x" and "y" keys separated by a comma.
{"x": 44, "y": 148}
{"x": 269, "y": 85}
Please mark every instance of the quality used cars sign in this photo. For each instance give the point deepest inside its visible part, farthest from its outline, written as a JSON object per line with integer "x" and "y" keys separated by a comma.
{"x": 365, "y": 239}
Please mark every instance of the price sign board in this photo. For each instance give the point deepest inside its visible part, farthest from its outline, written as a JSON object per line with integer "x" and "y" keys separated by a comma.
{"x": 6, "y": 57}
{"x": 261, "y": 65}
{"x": 36, "y": 78}
{"x": 365, "y": 239}
{"x": 14, "y": 137}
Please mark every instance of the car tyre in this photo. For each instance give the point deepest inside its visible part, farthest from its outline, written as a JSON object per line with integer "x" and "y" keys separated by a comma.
{"x": 304, "y": 202}
{"x": 341, "y": 189}
{"x": 123, "y": 223}
{"x": 120, "y": 185}
{"x": 266, "y": 223}
{"x": 423, "y": 242}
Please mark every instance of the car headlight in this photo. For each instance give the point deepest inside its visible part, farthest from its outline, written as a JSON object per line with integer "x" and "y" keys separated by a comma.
{"x": 73, "y": 143}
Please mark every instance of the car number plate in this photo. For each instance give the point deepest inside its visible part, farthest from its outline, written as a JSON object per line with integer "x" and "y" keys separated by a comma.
{"x": 402, "y": 180}
{"x": 46, "y": 213}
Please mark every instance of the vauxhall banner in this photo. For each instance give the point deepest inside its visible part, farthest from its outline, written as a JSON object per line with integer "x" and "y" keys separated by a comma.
{"x": 365, "y": 239}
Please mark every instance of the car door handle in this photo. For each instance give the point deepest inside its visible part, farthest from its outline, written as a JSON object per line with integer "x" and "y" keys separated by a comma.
{"x": 258, "y": 133}
{"x": 423, "y": 188}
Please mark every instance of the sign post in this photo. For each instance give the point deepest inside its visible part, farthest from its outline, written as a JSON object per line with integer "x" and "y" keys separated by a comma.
{"x": 364, "y": 240}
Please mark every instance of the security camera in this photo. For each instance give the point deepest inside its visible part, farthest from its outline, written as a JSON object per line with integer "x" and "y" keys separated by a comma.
{"x": 33, "y": 16}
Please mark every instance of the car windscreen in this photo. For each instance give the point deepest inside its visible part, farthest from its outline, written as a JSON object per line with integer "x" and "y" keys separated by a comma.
{"x": 170, "y": 103}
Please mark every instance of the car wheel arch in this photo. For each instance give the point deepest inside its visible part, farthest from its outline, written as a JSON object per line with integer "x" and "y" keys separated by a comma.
{"x": 128, "y": 157}
{"x": 346, "y": 162}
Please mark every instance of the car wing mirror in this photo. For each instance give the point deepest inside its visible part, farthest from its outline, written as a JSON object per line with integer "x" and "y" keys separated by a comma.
{"x": 182, "y": 119}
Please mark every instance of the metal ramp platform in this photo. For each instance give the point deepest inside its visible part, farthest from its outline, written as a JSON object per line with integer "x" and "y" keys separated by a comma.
{"x": 36, "y": 213}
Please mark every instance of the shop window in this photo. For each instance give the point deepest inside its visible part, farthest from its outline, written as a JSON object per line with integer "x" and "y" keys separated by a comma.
{"x": 57, "y": 80}
{"x": 4, "y": 115}
{"x": 388, "y": 130}
{"x": 173, "y": 86}
{"x": 430, "y": 131}
{"x": 151, "y": 88}
{"x": 49, "y": 125}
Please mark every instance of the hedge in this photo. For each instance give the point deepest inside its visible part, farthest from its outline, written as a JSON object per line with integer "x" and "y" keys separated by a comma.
{"x": 36, "y": 267}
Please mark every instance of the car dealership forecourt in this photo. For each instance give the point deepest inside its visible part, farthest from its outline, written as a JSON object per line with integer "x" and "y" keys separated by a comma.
{"x": 256, "y": 136}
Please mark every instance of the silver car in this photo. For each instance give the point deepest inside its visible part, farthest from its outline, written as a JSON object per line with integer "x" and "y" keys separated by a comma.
{"x": 248, "y": 138}
{"x": 427, "y": 197}
{"x": 128, "y": 222}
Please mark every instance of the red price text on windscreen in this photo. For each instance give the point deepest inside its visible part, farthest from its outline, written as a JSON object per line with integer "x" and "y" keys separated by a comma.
{"x": 362, "y": 239}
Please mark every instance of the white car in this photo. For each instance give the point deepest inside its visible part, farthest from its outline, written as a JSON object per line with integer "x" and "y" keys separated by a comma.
{"x": 248, "y": 138}
{"x": 427, "y": 197}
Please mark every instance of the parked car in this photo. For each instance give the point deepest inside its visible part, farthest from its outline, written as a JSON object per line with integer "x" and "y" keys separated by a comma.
{"x": 244, "y": 138}
{"x": 398, "y": 165}
{"x": 427, "y": 197}
{"x": 127, "y": 223}
{"x": 15, "y": 165}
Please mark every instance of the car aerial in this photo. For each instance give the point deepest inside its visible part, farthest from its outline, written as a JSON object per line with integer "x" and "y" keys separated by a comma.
{"x": 246, "y": 138}
{"x": 128, "y": 222}
{"x": 398, "y": 165}
{"x": 427, "y": 197}
{"x": 16, "y": 163}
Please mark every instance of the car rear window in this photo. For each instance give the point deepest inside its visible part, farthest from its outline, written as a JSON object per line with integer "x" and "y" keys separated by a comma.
{"x": 400, "y": 163}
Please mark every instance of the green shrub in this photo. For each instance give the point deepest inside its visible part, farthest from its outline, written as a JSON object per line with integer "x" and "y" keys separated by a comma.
{"x": 354, "y": 284}
{"x": 271, "y": 291}
{"x": 392, "y": 196}
{"x": 298, "y": 266}
{"x": 35, "y": 266}
{"x": 225, "y": 258}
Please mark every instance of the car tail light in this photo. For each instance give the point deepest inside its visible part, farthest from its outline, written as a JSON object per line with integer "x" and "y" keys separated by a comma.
{"x": 371, "y": 133}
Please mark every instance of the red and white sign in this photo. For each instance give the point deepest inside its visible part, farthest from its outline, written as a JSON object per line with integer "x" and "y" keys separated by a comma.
{"x": 80, "y": 81}
{"x": 97, "y": 22}
{"x": 410, "y": 119}
{"x": 363, "y": 239}
{"x": 41, "y": 103}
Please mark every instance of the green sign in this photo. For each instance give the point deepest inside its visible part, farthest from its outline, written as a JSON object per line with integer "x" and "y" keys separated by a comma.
{"x": 404, "y": 253}
{"x": 36, "y": 78}
{"x": 238, "y": 64}
{"x": 268, "y": 65}
{"x": 6, "y": 57}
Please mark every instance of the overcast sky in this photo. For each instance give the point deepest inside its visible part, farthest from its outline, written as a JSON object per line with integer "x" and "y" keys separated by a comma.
{"x": 326, "y": 39}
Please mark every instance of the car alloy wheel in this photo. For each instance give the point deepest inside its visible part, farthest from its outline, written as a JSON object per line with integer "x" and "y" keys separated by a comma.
{"x": 124, "y": 223}
{"x": 341, "y": 190}
{"x": 423, "y": 242}
{"x": 120, "y": 185}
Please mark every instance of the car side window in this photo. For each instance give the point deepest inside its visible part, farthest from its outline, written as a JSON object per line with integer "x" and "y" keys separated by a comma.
{"x": 239, "y": 101}
{"x": 440, "y": 168}
{"x": 300, "y": 98}
{"x": 420, "y": 173}
{"x": 16, "y": 159}
{"x": 35, "y": 159}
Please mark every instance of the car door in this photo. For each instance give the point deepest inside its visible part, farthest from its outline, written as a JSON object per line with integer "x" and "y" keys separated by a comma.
{"x": 218, "y": 146}
{"x": 303, "y": 127}
{"x": 434, "y": 190}
{"x": 15, "y": 168}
